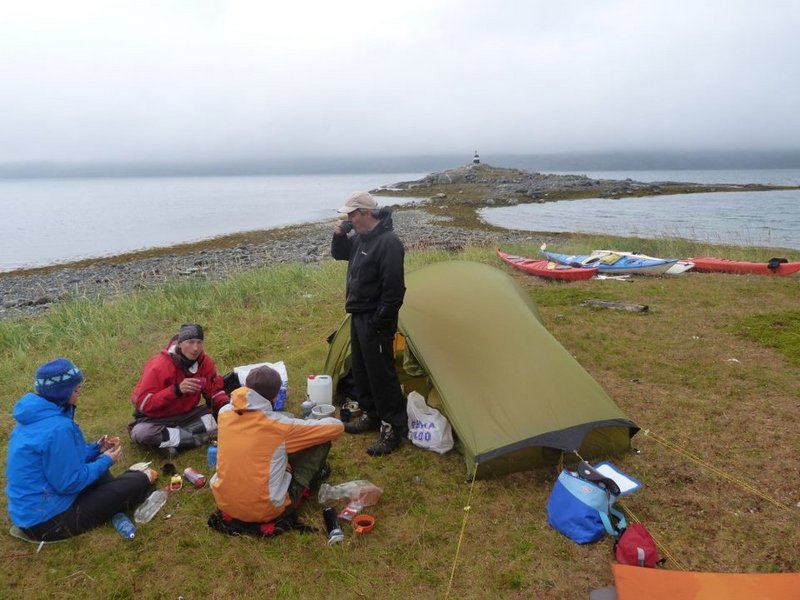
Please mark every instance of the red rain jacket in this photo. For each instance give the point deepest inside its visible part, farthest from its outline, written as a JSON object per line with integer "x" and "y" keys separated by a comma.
{"x": 157, "y": 395}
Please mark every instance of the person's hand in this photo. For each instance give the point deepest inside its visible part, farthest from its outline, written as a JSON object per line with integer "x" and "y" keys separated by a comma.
{"x": 114, "y": 453}
{"x": 342, "y": 227}
{"x": 380, "y": 326}
{"x": 108, "y": 441}
{"x": 191, "y": 386}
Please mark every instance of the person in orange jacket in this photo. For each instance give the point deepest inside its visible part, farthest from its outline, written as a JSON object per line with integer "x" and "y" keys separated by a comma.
{"x": 267, "y": 461}
{"x": 168, "y": 412}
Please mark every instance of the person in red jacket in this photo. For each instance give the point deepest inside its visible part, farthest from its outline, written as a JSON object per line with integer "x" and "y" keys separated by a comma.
{"x": 167, "y": 409}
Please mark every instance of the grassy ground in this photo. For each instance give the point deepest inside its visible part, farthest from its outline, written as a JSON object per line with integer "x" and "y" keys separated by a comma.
{"x": 712, "y": 369}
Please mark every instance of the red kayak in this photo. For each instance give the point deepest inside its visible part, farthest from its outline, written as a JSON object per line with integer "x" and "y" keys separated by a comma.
{"x": 547, "y": 268}
{"x": 743, "y": 267}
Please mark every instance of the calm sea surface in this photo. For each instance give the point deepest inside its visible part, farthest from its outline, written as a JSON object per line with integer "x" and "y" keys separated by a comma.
{"x": 736, "y": 218}
{"x": 47, "y": 221}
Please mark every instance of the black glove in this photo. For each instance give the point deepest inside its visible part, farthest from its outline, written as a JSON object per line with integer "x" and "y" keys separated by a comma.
{"x": 382, "y": 325}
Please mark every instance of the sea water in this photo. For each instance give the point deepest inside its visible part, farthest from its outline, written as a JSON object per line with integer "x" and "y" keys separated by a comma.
{"x": 48, "y": 221}
{"x": 729, "y": 176}
{"x": 736, "y": 218}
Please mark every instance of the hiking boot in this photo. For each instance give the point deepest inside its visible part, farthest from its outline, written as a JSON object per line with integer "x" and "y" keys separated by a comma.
{"x": 170, "y": 452}
{"x": 388, "y": 440}
{"x": 198, "y": 429}
{"x": 186, "y": 441}
{"x": 205, "y": 438}
{"x": 362, "y": 424}
{"x": 195, "y": 427}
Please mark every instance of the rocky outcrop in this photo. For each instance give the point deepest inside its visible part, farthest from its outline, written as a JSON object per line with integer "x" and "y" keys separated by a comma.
{"x": 509, "y": 186}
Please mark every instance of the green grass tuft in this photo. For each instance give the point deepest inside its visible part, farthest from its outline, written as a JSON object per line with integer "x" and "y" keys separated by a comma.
{"x": 778, "y": 330}
{"x": 712, "y": 367}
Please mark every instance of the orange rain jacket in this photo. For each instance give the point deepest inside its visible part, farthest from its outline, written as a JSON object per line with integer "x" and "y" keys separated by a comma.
{"x": 254, "y": 444}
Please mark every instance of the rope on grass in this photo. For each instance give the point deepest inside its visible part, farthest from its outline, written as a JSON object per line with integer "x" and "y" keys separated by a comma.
{"x": 659, "y": 544}
{"x": 634, "y": 519}
{"x": 719, "y": 472}
{"x": 461, "y": 535}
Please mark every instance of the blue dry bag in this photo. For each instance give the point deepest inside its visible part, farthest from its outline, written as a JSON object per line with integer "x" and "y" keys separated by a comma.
{"x": 583, "y": 510}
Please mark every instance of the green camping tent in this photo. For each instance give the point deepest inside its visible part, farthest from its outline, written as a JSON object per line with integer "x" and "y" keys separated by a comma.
{"x": 515, "y": 397}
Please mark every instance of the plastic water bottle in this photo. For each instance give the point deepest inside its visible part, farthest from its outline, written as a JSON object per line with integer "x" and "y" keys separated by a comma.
{"x": 124, "y": 526}
{"x": 211, "y": 455}
{"x": 148, "y": 509}
{"x": 280, "y": 401}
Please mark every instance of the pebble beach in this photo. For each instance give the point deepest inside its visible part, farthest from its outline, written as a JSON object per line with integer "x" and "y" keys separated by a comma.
{"x": 33, "y": 292}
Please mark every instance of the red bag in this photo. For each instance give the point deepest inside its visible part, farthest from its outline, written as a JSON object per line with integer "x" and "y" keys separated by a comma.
{"x": 635, "y": 546}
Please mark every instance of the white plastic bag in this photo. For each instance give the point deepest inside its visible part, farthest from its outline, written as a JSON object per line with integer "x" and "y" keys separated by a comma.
{"x": 244, "y": 370}
{"x": 427, "y": 427}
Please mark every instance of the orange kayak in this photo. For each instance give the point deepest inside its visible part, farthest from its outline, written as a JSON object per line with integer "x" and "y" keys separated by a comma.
{"x": 547, "y": 268}
{"x": 743, "y": 267}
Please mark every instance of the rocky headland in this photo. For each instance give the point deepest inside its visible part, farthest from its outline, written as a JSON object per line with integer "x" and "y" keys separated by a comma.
{"x": 487, "y": 185}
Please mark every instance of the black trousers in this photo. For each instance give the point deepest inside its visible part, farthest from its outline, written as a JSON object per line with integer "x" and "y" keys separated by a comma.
{"x": 93, "y": 506}
{"x": 374, "y": 374}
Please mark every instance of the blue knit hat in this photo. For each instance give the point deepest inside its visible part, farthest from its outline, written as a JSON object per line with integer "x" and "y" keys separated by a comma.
{"x": 57, "y": 379}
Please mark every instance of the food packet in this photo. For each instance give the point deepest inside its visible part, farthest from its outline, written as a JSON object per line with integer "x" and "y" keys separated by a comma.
{"x": 351, "y": 510}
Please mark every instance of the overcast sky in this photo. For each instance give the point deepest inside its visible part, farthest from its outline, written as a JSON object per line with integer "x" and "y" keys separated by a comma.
{"x": 116, "y": 80}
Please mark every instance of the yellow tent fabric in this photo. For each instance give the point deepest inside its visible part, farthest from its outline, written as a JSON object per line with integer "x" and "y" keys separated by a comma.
{"x": 638, "y": 583}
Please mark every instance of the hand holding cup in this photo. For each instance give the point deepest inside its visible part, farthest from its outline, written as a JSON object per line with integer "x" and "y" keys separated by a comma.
{"x": 342, "y": 227}
{"x": 108, "y": 441}
{"x": 192, "y": 385}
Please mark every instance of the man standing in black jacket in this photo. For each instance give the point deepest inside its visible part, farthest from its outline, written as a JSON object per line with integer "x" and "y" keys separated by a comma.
{"x": 374, "y": 295}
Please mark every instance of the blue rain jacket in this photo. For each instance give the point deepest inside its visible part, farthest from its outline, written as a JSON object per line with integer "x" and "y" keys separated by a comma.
{"x": 49, "y": 462}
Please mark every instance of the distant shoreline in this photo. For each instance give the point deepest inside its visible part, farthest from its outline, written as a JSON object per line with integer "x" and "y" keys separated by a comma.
{"x": 575, "y": 161}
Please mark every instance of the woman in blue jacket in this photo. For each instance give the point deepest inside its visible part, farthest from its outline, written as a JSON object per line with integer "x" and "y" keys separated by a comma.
{"x": 58, "y": 485}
